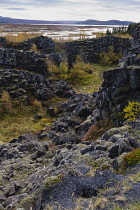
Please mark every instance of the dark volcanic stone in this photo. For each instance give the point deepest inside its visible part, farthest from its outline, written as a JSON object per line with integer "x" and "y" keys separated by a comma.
{"x": 101, "y": 148}
{"x": 87, "y": 149}
{"x": 118, "y": 148}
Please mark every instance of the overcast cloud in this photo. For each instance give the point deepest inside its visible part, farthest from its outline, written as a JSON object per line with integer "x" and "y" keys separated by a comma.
{"x": 71, "y": 9}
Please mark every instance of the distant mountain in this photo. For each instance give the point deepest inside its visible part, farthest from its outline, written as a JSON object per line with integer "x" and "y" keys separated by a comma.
{"x": 109, "y": 22}
{"x": 23, "y": 21}
{"x": 86, "y": 22}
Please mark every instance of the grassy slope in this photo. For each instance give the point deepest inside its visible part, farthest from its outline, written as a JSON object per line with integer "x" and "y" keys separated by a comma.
{"x": 94, "y": 81}
{"x": 21, "y": 120}
{"x": 13, "y": 125}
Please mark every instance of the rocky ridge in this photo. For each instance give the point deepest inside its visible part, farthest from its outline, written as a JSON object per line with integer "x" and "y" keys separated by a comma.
{"x": 89, "y": 49}
{"x": 18, "y": 55}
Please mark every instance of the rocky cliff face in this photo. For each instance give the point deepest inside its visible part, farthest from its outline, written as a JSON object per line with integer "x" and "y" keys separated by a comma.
{"x": 31, "y": 61}
{"x": 90, "y": 49}
{"x": 136, "y": 34}
{"x": 43, "y": 44}
{"x": 24, "y": 84}
{"x": 17, "y": 54}
{"x": 121, "y": 84}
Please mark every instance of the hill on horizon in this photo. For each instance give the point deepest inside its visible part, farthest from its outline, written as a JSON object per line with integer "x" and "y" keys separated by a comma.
{"x": 108, "y": 22}
{"x": 9, "y": 20}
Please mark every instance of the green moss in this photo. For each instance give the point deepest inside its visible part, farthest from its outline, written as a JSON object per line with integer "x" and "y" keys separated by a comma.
{"x": 106, "y": 167}
{"x": 51, "y": 182}
{"x": 28, "y": 202}
{"x": 56, "y": 101}
{"x": 92, "y": 172}
{"x": 120, "y": 131}
{"x": 100, "y": 161}
{"x": 130, "y": 206}
{"x": 88, "y": 160}
{"x": 132, "y": 158}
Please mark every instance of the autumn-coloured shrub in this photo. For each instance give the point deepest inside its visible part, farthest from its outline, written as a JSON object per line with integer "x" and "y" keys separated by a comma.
{"x": 132, "y": 111}
{"x": 34, "y": 48}
{"x": 37, "y": 106}
{"x": 97, "y": 130}
{"x": 79, "y": 73}
{"x": 63, "y": 70}
{"x": 110, "y": 57}
{"x": 52, "y": 68}
{"x": 5, "y": 102}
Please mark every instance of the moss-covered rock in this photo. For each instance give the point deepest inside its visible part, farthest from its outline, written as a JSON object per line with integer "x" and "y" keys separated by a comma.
{"x": 51, "y": 182}
{"x": 29, "y": 202}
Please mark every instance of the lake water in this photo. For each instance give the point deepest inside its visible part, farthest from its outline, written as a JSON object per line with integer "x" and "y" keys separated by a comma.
{"x": 58, "y": 32}
{"x": 76, "y": 32}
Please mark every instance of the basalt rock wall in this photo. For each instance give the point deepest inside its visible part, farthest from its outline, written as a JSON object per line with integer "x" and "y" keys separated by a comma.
{"x": 122, "y": 84}
{"x": 136, "y": 34}
{"x": 31, "y": 61}
{"x": 89, "y": 49}
{"x": 43, "y": 44}
{"x": 23, "y": 84}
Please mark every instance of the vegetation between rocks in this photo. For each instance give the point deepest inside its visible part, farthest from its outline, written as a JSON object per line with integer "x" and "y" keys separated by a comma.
{"x": 97, "y": 130}
{"x": 16, "y": 118}
{"x": 84, "y": 77}
{"x": 132, "y": 111}
{"x": 132, "y": 158}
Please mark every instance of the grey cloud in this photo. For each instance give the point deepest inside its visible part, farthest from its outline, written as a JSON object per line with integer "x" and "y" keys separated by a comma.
{"x": 70, "y": 2}
{"x": 15, "y": 8}
{"x": 106, "y": 5}
{"x": 31, "y": 2}
{"x": 9, "y": 2}
{"x": 44, "y": 3}
{"x": 119, "y": 2}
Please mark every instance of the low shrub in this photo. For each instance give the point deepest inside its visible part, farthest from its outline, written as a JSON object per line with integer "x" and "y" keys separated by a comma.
{"x": 110, "y": 57}
{"x": 132, "y": 111}
{"x": 97, "y": 130}
{"x": 37, "y": 106}
{"x": 63, "y": 70}
{"x": 5, "y": 102}
{"x": 79, "y": 74}
{"x": 52, "y": 68}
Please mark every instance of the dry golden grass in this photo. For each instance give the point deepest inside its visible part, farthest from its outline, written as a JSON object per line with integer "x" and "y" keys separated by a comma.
{"x": 20, "y": 37}
{"x": 123, "y": 35}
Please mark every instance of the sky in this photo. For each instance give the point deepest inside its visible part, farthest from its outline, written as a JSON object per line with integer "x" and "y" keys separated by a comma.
{"x": 128, "y": 10}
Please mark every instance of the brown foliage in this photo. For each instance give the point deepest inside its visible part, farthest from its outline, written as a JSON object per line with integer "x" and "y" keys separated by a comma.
{"x": 37, "y": 106}
{"x": 5, "y": 102}
{"x": 97, "y": 130}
